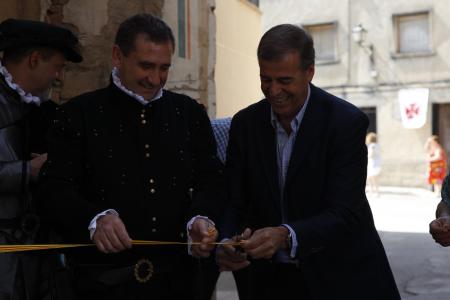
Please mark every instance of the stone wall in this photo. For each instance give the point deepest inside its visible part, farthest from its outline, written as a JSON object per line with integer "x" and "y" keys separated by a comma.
{"x": 25, "y": 9}
{"x": 96, "y": 22}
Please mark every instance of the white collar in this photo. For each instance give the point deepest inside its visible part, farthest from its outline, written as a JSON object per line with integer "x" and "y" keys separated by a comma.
{"x": 24, "y": 96}
{"x": 139, "y": 98}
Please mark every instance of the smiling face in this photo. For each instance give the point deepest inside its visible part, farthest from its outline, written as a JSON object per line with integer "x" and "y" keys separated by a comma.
{"x": 285, "y": 84}
{"x": 146, "y": 68}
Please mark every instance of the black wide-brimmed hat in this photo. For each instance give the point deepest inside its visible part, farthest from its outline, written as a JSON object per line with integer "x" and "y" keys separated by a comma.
{"x": 19, "y": 33}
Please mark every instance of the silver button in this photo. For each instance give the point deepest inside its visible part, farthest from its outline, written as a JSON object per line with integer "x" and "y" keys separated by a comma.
{"x": 153, "y": 229}
{"x": 152, "y": 191}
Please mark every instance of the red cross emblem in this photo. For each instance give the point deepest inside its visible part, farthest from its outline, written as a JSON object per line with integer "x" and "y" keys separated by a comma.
{"x": 412, "y": 110}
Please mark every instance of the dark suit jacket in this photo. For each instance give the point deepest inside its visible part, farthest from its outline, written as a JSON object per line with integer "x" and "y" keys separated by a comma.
{"x": 107, "y": 150}
{"x": 340, "y": 253}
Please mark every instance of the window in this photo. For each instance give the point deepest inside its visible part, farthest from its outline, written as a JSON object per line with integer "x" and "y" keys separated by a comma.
{"x": 325, "y": 41}
{"x": 371, "y": 113}
{"x": 412, "y": 33}
{"x": 184, "y": 30}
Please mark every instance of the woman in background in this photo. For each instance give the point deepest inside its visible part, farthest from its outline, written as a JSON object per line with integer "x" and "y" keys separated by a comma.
{"x": 373, "y": 162}
{"x": 437, "y": 163}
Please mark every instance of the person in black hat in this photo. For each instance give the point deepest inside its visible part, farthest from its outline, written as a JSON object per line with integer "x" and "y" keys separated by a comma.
{"x": 34, "y": 56}
{"x": 133, "y": 161}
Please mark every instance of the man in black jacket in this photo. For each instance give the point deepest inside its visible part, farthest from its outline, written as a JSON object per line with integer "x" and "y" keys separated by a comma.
{"x": 34, "y": 56}
{"x": 133, "y": 161}
{"x": 296, "y": 166}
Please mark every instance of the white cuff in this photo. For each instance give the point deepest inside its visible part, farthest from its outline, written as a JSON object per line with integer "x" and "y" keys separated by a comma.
{"x": 293, "y": 240}
{"x": 93, "y": 225}
{"x": 189, "y": 227}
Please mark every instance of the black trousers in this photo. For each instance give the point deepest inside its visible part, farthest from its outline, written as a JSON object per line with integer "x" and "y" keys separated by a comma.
{"x": 267, "y": 280}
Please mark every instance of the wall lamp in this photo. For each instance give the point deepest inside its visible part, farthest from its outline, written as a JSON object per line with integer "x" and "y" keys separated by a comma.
{"x": 359, "y": 34}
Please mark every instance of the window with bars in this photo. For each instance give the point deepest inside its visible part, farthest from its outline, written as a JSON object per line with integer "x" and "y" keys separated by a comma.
{"x": 413, "y": 33}
{"x": 325, "y": 41}
{"x": 184, "y": 30}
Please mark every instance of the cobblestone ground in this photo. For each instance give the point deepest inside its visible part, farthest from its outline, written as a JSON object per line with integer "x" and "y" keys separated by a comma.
{"x": 421, "y": 267}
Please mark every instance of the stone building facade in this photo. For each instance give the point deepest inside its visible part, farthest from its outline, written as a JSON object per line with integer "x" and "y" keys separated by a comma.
{"x": 96, "y": 22}
{"x": 405, "y": 45}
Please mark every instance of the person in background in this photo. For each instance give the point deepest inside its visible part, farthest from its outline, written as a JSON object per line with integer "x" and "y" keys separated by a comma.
{"x": 373, "y": 163}
{"x": 437, "y": 163}
{"x": 34, "y": 57}
{"x": 133, "y": 161}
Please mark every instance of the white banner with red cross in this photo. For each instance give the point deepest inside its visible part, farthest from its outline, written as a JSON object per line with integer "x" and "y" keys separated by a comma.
{"x": 413, "y": 107}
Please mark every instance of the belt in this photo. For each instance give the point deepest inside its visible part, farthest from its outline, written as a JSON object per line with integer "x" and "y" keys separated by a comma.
{"x": 292, "y": 264}
{"x": 142, "y": 270}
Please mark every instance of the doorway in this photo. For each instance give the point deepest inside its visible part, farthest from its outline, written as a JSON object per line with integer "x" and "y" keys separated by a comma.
{"x": 441, "y": 124}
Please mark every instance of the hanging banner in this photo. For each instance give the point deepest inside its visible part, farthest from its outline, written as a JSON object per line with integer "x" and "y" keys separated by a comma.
{"x": 413, "y": 107}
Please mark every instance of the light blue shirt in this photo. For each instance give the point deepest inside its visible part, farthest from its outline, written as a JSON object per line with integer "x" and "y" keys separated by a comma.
{"x": 285, "y": 146}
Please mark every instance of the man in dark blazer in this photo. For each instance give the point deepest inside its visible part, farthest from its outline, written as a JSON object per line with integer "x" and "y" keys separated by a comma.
{"x": 133, "y": 161}
{"x": 296, "y": 166}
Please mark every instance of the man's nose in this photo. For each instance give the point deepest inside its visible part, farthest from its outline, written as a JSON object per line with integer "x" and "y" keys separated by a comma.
{"x": 274, "y": 89}
{"x": 59, "y": 75}
{"x": 154, "y": 78}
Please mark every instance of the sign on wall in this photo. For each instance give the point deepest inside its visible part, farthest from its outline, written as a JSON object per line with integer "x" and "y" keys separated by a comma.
{"x": 413, "y": 107}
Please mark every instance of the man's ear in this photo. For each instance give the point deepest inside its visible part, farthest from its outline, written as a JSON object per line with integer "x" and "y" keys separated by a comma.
{"x": 117, "y": 56}
{"x": 310, "y": 72}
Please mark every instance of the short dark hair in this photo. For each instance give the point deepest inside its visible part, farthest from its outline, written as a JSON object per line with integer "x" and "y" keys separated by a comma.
{"x": 154, "y": 28}
{"x": 286, "y": 38}
{"x": 16, "y": 55}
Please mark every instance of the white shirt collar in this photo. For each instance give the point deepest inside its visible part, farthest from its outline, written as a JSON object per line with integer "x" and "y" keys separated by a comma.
{"x": 139, "y": 98}
{"x": 24, "y": 96}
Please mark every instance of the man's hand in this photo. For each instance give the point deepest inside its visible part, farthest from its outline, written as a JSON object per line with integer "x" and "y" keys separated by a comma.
{"x": 36, "y": 162}
{"x": 202, "y": 232}
{"x": 111, "y": 235}
{"x": 440, "y": 230}
{"x": 266, "y": 241}
{"x": 229, "y": 257}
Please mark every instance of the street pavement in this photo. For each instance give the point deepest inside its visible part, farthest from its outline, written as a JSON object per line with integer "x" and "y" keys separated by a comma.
{"x": 421, "y": 267}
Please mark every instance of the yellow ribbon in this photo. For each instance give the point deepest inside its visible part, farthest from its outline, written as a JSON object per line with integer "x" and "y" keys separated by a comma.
{"x": 34, "y": 247}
